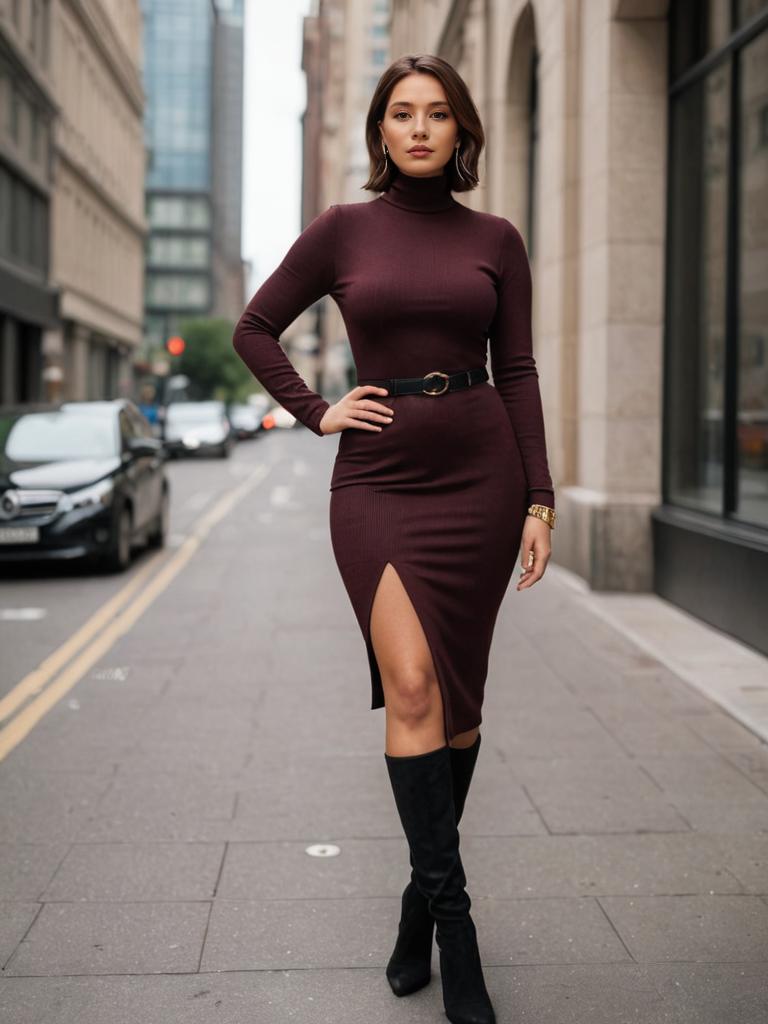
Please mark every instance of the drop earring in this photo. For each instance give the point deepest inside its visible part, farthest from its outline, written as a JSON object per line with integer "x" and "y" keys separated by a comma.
{"x": 465, "y": 175}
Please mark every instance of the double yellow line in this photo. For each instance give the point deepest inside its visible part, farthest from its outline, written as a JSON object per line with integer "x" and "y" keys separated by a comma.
{"x": 40, "y": 690}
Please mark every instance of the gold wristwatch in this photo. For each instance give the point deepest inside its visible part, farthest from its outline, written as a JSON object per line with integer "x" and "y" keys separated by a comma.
{"x": 543, "y": 512}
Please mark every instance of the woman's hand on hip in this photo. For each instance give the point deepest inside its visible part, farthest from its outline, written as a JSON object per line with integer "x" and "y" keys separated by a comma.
{"x": 355, "y": 409}
{"x": 535, "y": 549}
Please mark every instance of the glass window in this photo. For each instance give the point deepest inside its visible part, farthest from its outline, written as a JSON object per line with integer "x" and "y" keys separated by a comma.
{"x": 177, "y": 69}
{"x": 752, "y": 388}
{"x": 14, "y": 121}
{"x": 178, "y": 251}
{"x": 698, "y": 27}
{"x": 178, "y": 291}
{"x": 747, "y": 9}
{"x": 178, "y": 212}
{"x": 716, "y": 400}
{"x": 5, "y": 213}
{"x": 22, "y": 221}
{"x": 38, "y": 234}
{"x": 43, "y": 437}
{"x": 697, "y": 295}
{"x": 34, "y": 134}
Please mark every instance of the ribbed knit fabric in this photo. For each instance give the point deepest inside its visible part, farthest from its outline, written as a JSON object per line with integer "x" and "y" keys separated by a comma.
{"x": 423, "y": 283}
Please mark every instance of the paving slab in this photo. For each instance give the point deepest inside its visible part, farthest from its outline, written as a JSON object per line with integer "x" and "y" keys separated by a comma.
{"x": 713, "y": 929}
{"x": 575, "y": 795}
{"x": 109, "y": 938}
{"x": 136, "y": 871}
{"x": 26, "y": 868}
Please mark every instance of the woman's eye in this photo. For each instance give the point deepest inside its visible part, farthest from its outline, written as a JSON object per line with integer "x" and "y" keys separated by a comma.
{"x": 441, "y": 113}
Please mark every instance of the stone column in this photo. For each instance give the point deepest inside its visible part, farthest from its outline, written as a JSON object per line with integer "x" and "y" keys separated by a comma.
{"x": 78, "y": 386}
{"x": 605, "y": 510}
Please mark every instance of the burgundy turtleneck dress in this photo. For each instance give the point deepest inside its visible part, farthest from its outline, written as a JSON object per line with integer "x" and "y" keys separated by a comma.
{"x": 423, "y": 283}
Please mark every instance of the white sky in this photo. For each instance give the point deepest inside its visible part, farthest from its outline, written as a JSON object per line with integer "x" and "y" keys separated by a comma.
{"x": 274, "y": 100}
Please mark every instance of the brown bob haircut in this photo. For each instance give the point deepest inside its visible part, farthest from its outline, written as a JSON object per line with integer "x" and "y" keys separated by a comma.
{"x": 471, "y": 135}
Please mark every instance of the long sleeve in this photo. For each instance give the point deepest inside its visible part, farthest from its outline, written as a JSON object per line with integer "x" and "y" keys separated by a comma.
{"x": 306, "y": 273}
{"x": 513, "y": 366}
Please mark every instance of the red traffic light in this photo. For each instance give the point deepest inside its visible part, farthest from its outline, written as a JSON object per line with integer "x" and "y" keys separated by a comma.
{"x": 175, "y": 345}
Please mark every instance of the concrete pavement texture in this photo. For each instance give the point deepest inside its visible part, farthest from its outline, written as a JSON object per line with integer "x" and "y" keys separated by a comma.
{"x": 155, "y": 822}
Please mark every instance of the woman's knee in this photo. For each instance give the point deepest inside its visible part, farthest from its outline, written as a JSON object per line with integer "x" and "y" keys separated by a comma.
{"x": 412, "y": 693}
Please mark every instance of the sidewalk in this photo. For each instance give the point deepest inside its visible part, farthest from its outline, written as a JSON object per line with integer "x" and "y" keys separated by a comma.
{"x": 153, "y": 864}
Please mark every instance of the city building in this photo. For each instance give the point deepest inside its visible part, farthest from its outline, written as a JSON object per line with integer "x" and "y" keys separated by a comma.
{"x": 29, "y": 303}
{"x": 227, "y": 159}
{"x": 628, "y": 141}
{"x": 193, "y": 75}
{"x": 346, "y": 48}
{"x": 97, "y": 228}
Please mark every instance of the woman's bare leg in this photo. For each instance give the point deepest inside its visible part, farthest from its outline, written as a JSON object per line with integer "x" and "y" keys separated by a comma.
{"x": 413, "y": 702}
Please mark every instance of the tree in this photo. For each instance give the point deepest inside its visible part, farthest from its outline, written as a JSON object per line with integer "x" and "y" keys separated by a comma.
{"x": 214, "y": 369}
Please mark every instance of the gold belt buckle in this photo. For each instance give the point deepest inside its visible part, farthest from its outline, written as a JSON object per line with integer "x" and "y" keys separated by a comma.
{"x": 436, "y": 373}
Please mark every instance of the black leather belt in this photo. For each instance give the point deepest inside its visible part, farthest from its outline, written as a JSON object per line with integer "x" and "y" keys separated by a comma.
{"x": 434, "y": 383}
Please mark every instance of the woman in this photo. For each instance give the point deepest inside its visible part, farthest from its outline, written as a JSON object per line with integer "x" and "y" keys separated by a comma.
{"x": 439, "y": 477}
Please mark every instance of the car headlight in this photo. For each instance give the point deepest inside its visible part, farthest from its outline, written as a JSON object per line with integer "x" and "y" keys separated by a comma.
{"x": 97, "y": 494}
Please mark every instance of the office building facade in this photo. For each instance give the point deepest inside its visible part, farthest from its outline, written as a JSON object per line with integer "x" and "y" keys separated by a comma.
{"x": 193, "y": 129}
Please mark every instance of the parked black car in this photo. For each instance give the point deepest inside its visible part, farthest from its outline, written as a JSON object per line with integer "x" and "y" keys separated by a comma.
{"x": 80, "y": 480}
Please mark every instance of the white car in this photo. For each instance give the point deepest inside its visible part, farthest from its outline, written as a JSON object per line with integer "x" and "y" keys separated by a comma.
{"x": 198, "y": 428}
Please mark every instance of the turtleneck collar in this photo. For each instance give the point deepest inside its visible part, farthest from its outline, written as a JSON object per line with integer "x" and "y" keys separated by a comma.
{"x": 421, "y": 194}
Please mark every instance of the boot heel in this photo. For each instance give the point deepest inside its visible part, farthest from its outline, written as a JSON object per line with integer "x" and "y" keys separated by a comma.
{"x": 465, "y": 996}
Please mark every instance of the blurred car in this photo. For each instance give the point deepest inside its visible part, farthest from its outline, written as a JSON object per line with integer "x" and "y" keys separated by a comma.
{"x": 280, "y": 417}
{"x": 198, "y": 428}
{"x": 245, "y": 419}
{"x": 80, "y": 480}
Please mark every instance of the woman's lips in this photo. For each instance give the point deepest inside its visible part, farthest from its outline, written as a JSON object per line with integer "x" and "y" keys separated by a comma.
{"x": 420, "y": 152}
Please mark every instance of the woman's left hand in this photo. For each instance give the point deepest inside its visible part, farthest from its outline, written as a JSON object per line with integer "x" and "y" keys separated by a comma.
{"x": 537, "y": 543}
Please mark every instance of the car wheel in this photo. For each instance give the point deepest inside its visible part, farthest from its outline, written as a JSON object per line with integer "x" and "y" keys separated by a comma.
{"x": 159, "y": 533}
{"x": 119, "y": 557}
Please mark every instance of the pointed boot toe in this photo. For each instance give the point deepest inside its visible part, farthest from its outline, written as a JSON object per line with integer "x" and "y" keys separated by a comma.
{"x": 409, "y": 967}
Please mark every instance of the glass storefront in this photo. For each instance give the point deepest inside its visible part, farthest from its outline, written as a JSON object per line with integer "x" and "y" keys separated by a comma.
{"x": 717, "y": 312}
{"x": 714, "y": 517}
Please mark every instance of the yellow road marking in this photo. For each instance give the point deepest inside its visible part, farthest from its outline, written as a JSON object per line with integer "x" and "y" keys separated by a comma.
{"x": 25, "y": 721}
{"x": 38, "y": 677}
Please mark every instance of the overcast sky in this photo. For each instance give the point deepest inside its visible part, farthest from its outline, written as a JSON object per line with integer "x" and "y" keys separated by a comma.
{"x": 275, "y": 98}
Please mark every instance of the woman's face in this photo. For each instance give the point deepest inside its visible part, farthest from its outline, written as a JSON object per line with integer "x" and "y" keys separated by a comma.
{"x": 417, "y": 114}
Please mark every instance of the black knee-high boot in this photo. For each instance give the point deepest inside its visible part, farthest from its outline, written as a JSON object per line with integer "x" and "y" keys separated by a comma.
{"x": 423, "y": 788}
{"x": 409, "y": 967}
